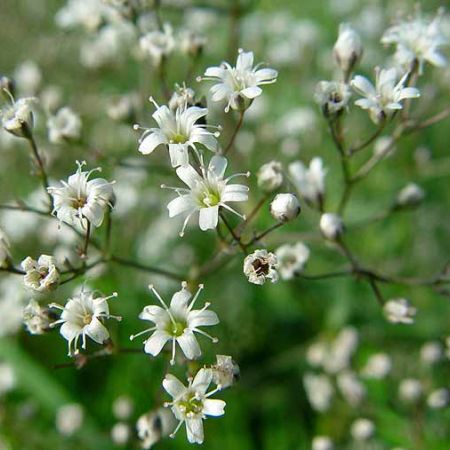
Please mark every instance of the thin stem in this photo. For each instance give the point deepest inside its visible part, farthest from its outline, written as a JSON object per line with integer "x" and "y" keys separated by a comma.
{"x": 368, "y": 141}
{"x": 258, "y": 237}
{"x": 86, "y": 240}
{"x": 236, "y": 130}
{"x": 235, "y": 236}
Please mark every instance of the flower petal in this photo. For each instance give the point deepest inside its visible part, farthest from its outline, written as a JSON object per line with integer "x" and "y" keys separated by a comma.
{"x": 151, "y": 141}
{"x": 188, "y": 175}
{"x": 214, "y": 407}
{"x": 97, "y": 331}
{"x": 208, "y": 218}
{"x": 189, "y": 345}
{"x": 173, "y": 386}
{"x": 194, "y": 430}
{"x": 202, "y": 318}
{"x": 155, "y": 343}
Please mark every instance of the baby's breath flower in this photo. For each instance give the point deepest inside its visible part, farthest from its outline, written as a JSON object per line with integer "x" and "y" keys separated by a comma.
{"x": 192, "y": 404}
{"x": 348, "y": 49}
{"x": 322, "y": 443}
{"x": 410, "y": 196}
{"x": 386, "y": 97}
{"x": 177, "y": 323}
{"x": 439, "y": 398}
{"x": 399, "y": 310}
{"x": 207, "y": 193}
{"x": 332, "y": 97}
{"x": 285, "y": 207}
{"x": 410, "y": 390}
{"x": 182, "y": 97}
{"x": 41, "y": 275}
{"x": 65, "y": 125}
{"x": 17, "y": 117}
{"x": 362, "y": 429}
{"x": 191, "y": 43}
{"x": 319, "y": 391}
{"x": 158, "y": 44}
{"x": 82, "y": 316}
{"x": 36, "y": 318}
{"x": 291, "y": 259}
{"x": 153, "y": 426}
{"x": 261, "y": 266}
{"x": 120, "y": 433}
{"x": 80, "y": 199}
{"x": 180, "y": 130}
{"x": 225, "y": 372}
{"x": 351, "y": 387}
{"x": 310, "y": 181}
{"x": 377, "y": 366}
{"x": 331, "y": 226}
{"x": 270, "y": 176}
{"x": 238, "y": 85}
{"x": 69, "y": 418}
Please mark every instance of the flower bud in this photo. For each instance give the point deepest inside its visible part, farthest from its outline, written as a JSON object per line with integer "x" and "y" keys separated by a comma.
{"x": 410, "y": 390}
{"x": 17, "y": 118}
{"x": 362, "y": 429}
{"x": 410, "y": 196}
{"x": 285, "y": 207}
{"x": 270, "y": 176}
{"x": 348, "y": 49}
{"x": 331, "y": 226}
{"x": 399, "y": 310}
{"x": 322, "y": 443}
{"x": 438, "y": 399}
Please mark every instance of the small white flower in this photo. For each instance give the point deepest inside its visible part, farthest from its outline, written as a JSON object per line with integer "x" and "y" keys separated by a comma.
{"x": 439, "y": 399}
{"x": 399, "y": 310}
{"x": 386, "y": 97}
{"x": 351, "y": 387}
{"x": 4, "y": 250}
{"x": 192, "y": 404}
{"x": 348, "y": 49}
{"x": 207, "y": 193}
{"x": 179, "y": 130}
{"x": 319, "y": 391}
{"x": 331, "y": 226}
{"x": 225, "y": 372}
{"x": 80, "y": 199}
{"x": 153, "y": 426}
{"x": 270, "y": 176}
{"x": 417, "y": 39}
{"x": 291, "y": 259}
{"x": 410, "y": 196}
{"x": 17, "y": 117}
{"x": 120, "y": 433}
{"x": 285, "y": 207}
{"x": 41, "y": 275}
{"x": 377, "y": 366}
{"x": 64, "y": 125}
{"x": 36, "y": 318}
{"x": 82, "y": 316}
{"x": 431, "y": 352}
{"x": 69, "y": 418}
{"x": 238, "y": 85}
{"x": 340, "y": 353}
{"x": 332, "y": 97}
{"x": 177, "y": 323}
{"x": 410, "y": 390}
{"x": 87, "y": 13}
{"x": 182, "y": 97}
{"x": 158, "y": 44}
{"x": 122, "y": 407}
{"x": 362, "y": 429}
{"x": 310, "y": 181}
{"x": 322, "y": 443}
{"x": 261, "y": 266}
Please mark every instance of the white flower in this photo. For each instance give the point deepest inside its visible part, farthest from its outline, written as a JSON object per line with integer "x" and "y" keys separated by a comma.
{"x": 225, "y": 372}
{"x": 410, "y": 196}
{"x": 36, "y": 318}
{"x": 192, "y": 404}
{"x": 431, "y": 352}
{"x": 348, "y": 49}
{"x": 285, "y": 207}
{"x": 120, "y": 433}
{"x": 4, "y": 250}
{"x": 270, "y": 176}
{"x": 17, "y": 117}
{"x": 291, "y": 259}
{"x": 386, "y": 96}
{"x": 82, "y": 316}
{"x": 410, "y": 390}
{"x": 207, "y": 193}
{"x": 158, "y": 44}
{"x": 64, "y": 125}
{"x": 399, "y": 310}
{"x": 322, "y": 443}
{"x": 122, "y": 407}
{"x": 310, "y": 182}
{"x": 177, "y": 323}
{"x": 439, "y": 398}
{"x": 88, "y": 13}
{"x": 179, "y": 130}
{"x": 332, "y": 96}
{"x": 362, "y": 429}
{"x": 377, "y": 366}
{"x": 41, "y": 275}
{"x": 28, "y": 77}
{"x": 80, "y": 199}
{"x": 351, "y": 388}
{"x": 331, "y": 226}
{"x": 69, "y": 418}
{"x": 153, "y": 426}
{"x": 339, "y": 355}
{"x": 417, "y": 39}
{"x": 238, "y": 85}
{"x": 261, "y": 266}
{"x": 319, "y": 391}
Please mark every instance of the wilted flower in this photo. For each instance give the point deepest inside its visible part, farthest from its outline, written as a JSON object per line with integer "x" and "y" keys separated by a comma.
{"x": 410, "y": 390}
{"x": 4, "y": 250}
{"x": 78, "y": 199}
{"x": 238, "y": 85}
{"x": 82, "y": 316}
{"x": 64, "y": 125}
{"x": 285, "y": 207}
{"x": 362, "y": 429}
{"x": 348, "y": 49}
{"x": 418, "y": 40}
{"x": 439, "y": 399}
{"x": 177, "y": 323}
{"x": 331, "y": 226}
{"x": 270, "y": 176}
{"x": 153, "y": 426}
{"x": 41, "y": 275}
{"x": 291, "y": 259}
{"x": 69, "y": 418}
{"x": 410, "y": 196}
{"x": 36, "y": 318}
{"x": 310, "y": 181}
{"x": 179, "y": 130}
{"x": 225, "y": 372}
{"x": 158, "y": 44}
{"x": 332, "y": 97}
{"x": 207, "y": 193}
{"x": 17, "y": 117}
{"x": 386, "y": 97}
{"x": 192, "y": 404}
{"x": 261, "y": 266}
{"x": 319, "y": 391}
{"x": 399, "y": 310}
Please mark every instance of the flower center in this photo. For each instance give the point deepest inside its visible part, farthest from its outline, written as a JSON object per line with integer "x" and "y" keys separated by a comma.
{"x": 261, "y": 267}
{"x": 79, "y": 202}
{"x": 211, "y": 199}
{"x": 191, "y": 404}
{"x": 176, "y": 329}
{"x": 179, "y": 138}
{"x": 87, "y": 319}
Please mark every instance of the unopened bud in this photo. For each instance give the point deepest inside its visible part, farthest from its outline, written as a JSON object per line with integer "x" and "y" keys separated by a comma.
{"x": 410, "y": 196}
{"x": 270, "y": 176}
{"x": 348, "y": 49}
{"x": 331, "y": 226}
{"x": 285, "y": 207}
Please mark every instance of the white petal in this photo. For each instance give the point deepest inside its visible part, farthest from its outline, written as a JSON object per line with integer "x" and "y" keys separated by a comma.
{"x": 363, "y": 86}
{"x": 97, "y": 331}
{"x": 218, "y": 165}
{"x": 251, "y": 92}
{"x": 244, "y": 61}
{"x": 156, "y": 342}
{"x": 265, "y": 75}
{"x": 154, "y": 313}
{"x": 69, "y": 330}
{"x": 214, "y": 407}
{"x": 194, "y": 430}
{"x": 235, "y": 193}
{"x": 151, "y": 141}
{"x": 199, "y": 318}
{"x": 219, "y": 92}
{"x": 164, "y": 117}
{"x": 179, "y": 302}
{"x": 202, "y": 380}
{"x": 208, "y": 218}
{"x": 214, "y": 72}
{"x": 204, "y": 137}
{"x": 181, "y": 204}
{"x": 188, "y": 175}
{"x": 178, "y": 155}
{"x": 189, "y": 345}
{"x": 192, "y": 114}
{"x": 173, "y": 386}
